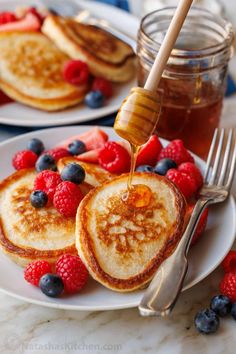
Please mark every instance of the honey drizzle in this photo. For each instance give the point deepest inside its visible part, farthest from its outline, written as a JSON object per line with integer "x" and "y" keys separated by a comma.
{"x": 134, "y": 154}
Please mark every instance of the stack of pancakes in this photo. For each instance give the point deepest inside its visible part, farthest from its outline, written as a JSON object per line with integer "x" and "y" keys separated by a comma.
{"x": 31, "y": 63}
{"x": 122, "y": 246}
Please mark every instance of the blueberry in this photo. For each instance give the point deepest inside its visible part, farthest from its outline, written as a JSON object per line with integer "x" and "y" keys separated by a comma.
{"x": 163, "y": 166}
{"x": 233, "y": 311}
{"x": 94, "y": 99}
{"x": 38, "y": 199}
{"x": 73, "y": 172}
{"x": 45, "y": 162}
{"x": 51, "y": 285}
{"x": 144, "y": 168}
{"x": 36, "y": 146}
{"x": 221, "y": 305}
{"x": 206, "y": 321}
{"x": 77, "y": 147}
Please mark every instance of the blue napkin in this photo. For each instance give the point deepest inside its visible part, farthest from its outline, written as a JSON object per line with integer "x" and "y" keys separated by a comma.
{"x": 122, "y": 4}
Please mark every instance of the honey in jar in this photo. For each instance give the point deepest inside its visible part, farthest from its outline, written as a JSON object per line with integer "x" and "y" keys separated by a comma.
{"x": 193, "y": 83}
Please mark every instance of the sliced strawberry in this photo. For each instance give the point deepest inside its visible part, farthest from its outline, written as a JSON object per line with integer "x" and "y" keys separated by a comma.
{"x": 89, "y": 156}
{"x": 29, "y": 23}
{"x": 94, "y": 138}
{"x": 201, "y": 225}
{"x": 149, "y": 152}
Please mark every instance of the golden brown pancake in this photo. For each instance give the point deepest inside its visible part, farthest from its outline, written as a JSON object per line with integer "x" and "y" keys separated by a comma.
{"x": 106, "y": 55}
{"x": 27, "y": 233}
{"x": 31, "y": 72}
{"x": 121, "y": 244}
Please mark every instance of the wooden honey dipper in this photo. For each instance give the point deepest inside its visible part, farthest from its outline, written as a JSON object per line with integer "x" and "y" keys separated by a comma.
{"x": 139, "y": 112}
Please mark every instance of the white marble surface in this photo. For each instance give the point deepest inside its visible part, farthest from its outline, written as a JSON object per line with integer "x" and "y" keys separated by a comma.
{"x": 31, "y": 329}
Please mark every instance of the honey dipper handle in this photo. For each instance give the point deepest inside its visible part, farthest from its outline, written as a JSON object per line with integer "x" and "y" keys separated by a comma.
{"x": 167, "y": 45}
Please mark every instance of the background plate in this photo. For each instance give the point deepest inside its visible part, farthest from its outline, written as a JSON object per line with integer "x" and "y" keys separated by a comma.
{"x": 204, "y": 257}
{"x": 20, "y": 115}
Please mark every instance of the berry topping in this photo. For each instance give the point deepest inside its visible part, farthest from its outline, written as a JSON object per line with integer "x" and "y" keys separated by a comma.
{"x": 76, "y": 72}
{"x": 149, "y": 152}
{"x": 35, "y": 270}
{"x": 94, "y": 138}
{"x": 229, "y": 263}
{"x": 7, "y": 17}
{"x": 190, "y": 169}
{"x": 233, "y": 311}
{"x": 176, "y": 151}
{"x": 38, "y": 199}
{"x": 67, "y": 198}
{"x": 89, "y": 156}
{"x": 201, "y": 224}
{"x": 163, "y": 166}
{"x": 94, "y": 99}
{"x": 228, "y": 286}
{"x": 45, "y": 162}
{"x": 206, "y": 321}
{"x": 77, "y": 147}
{"x": 36, "y": 13}
{"x": 24, "y": 159}
{"x": 58, "y": 153}
{"x": 144, "y": 168}
{"x": 184, "y": 182}
{"x": 73, "y": 172}
{"x": 29, "y": 23}
{"x": 51, "y": 285}
{"x": 47, "y": 181}
{"x": 36, "y": 146}
{"x": 221, "y": 305}
{"x": 114, "y": 158}
{"x": 102, "y": 85}
{"x": 73, "y": 272}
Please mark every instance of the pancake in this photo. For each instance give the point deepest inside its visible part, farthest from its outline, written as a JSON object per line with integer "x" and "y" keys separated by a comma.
{"x": 27, "y": 233}
{"x": 31, "y": 72}
{"x": 106, "y": 55}
{"x": 122, "y": 245}
{"x": 94, "y": 174}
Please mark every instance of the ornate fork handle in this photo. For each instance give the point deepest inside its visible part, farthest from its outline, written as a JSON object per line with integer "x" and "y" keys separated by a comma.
{"x": 160, "y": 297}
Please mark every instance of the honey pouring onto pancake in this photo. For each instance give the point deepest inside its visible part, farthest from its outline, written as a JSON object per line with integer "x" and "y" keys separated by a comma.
{"x": 139, "y": 112}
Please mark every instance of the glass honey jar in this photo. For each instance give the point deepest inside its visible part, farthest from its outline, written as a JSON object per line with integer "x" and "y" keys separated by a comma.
{"x": 194, "y": 81}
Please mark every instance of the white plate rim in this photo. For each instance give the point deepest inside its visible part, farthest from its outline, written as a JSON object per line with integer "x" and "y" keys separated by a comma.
{"x": 90, "y": 114}
{"x": 128, "y": 304}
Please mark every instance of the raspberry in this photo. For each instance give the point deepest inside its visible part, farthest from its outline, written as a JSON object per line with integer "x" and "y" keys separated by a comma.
{"x": 201, "y": 224}
{"x": 36, "y": 13}
{"x": 24, "y": 159}
{"x": 7, "y": 17}
{"x": 103, "y": 85}
{"x": 190, "y": 169}
{"x": 58, "y": 153}
{"x": 184, "y": 182}
{"x": 47, "y": 181}
{"x": 228, "y": 286}
{"x": 76, "y": 72}
{"x": 176, "y": 151}
{"x": 149, "y": 152}
{"x": 67, "y": 198}
{"x": 114, "y": 158}
{"x": 73, "y": 272}
{"x": 35, "y": 270}
{"x": 229, "y": 263}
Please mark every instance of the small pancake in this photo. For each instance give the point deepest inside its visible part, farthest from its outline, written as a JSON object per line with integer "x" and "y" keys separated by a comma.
{"x": 122, "y": 245}
{"x": 106, "y": 55}
{"x": 31, "y": 72}
{"x": 27, "y": 233}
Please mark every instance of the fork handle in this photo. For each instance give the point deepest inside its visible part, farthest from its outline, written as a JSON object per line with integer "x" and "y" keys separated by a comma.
{"x": 163, "y": 291}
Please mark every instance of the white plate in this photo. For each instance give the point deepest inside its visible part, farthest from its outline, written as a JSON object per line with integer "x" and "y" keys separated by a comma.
{"x": 203, "y": 258}
{"x": 21, "y": 115}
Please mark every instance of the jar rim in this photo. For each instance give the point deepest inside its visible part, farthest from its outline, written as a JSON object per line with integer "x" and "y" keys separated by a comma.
{"x": 208, "y": 50}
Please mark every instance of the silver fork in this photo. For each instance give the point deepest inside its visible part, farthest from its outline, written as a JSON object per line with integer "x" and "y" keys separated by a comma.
{"x": 164, "y": 289}
{"x": 70, "y": 8}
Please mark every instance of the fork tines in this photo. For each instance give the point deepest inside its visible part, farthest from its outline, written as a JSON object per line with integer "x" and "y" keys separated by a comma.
{"x": 221, "y": 160}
